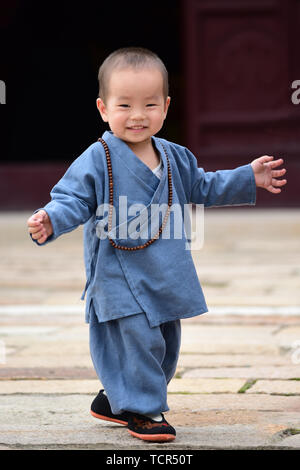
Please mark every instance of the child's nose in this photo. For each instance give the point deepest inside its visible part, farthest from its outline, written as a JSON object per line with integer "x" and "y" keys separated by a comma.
{"x": 137, "y": 114}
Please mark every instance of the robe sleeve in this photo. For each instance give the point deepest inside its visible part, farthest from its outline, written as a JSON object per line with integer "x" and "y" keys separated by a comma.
{"x": 74, "y": 197}
{"x": 222, "y": 187}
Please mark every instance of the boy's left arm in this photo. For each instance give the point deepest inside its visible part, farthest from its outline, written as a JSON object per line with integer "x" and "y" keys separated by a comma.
{"x": 234, "y": 187}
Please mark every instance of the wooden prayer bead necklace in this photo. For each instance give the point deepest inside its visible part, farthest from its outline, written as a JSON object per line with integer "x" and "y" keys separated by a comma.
{"x": 111, "y": 201}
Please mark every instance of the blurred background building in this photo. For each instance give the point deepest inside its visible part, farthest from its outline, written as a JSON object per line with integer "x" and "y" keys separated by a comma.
{"x": 231, "y": 64}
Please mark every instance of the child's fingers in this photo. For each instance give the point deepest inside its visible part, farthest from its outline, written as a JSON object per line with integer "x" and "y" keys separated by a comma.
{"x": 34, "y": 225}
{"x": 278, "y": 173}
{"x": 40, "y": 236}
{"x": 276, "y": 182}
{"x": 35, "y": 228}
{"x": 38, "y": 217}
{"x": 275, "y": 186}
{"x": 273, "y": 190}
{"x": 42, "y": 239}
{"x": 37, "y": 234}
{"x": 265, "y": 159}
{"x": 276, "y": 163}
{"x": 33, "y": 222}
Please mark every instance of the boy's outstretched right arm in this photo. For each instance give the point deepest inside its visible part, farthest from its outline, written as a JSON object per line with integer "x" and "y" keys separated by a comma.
{"x": 73, "y": 199}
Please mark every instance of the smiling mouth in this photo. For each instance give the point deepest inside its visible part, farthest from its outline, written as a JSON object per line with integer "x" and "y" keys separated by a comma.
{"x": 136, "y": 128}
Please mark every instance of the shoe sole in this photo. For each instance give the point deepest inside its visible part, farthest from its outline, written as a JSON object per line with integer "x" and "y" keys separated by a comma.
{"x": 153, "y": 437}
{"x": 106, "y": 418}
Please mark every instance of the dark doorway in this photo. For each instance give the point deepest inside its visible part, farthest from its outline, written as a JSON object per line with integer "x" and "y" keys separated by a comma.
{"x": 241, "y": 59}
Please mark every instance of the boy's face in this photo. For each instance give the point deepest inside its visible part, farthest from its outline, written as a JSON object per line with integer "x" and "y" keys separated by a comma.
{"x": 135, "y": 107}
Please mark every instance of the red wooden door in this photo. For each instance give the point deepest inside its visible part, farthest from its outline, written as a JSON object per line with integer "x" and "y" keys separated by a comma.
{"x": 241, "y": 60}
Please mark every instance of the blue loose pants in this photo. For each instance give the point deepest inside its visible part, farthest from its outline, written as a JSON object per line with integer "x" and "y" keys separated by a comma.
{"x": 135, "y": 362}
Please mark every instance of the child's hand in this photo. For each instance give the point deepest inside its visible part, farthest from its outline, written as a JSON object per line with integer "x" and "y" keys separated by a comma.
{"x": 40, "y": 227}
{"x": 266, "y": 176}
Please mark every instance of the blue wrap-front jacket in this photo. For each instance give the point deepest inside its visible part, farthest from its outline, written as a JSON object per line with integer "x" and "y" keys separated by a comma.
{"x": 160, "y": 280}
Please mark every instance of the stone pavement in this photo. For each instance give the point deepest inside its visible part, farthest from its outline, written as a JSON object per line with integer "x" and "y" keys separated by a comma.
{"x": 237, "y": 385}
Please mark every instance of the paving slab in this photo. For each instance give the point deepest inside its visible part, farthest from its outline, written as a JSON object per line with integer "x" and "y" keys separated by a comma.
{"x": 281, "y": 387}
{"x": 103, "y": 436}
{"x": 236, "y": 339}
{"x": 76, "y": 406}
{"x": 43, "y": 373}
{"x": 268, "y": 372}
{"x": 230, "y": 361}
{"x": 213, "y": 385}
{"x": 291, "y": 441}
{"x": 49, "y": 386}
{"x": 223, "y": 402}
{"x": 64, "y": 422}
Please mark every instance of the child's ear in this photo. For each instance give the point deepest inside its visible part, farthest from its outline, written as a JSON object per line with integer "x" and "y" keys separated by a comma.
{"x": 167, "y": 104}
{"x": 102, "y": 109}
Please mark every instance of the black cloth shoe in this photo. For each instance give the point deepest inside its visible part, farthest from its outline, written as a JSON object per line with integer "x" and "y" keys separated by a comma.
{"x": 100, "y": 408}
{"x": 147, "y": 429}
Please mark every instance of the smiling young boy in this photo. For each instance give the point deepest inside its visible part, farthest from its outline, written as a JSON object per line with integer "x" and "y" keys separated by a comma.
{"x": 138, "y": 288}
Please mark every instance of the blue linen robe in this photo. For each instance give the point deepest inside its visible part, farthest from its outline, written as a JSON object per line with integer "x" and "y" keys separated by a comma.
{"x": 160, "y": 280}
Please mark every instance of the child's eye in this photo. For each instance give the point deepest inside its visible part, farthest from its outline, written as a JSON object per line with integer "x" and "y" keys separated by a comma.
{"x": 151, "y": 104}
{"x": 124, "y": 105}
